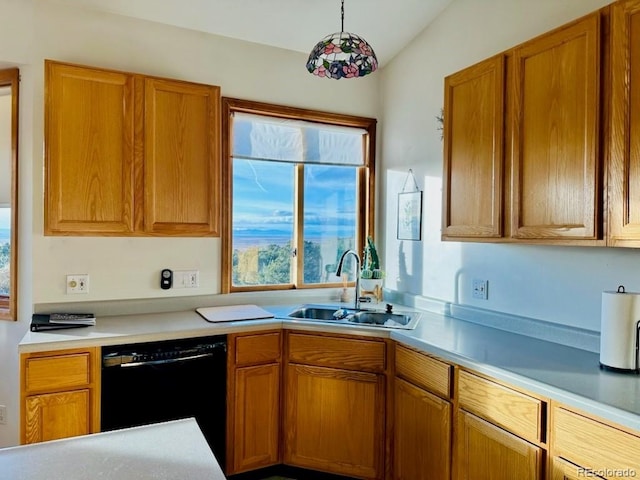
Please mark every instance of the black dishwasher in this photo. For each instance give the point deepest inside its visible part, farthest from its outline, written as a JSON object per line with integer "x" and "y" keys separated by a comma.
{"x": 153, "y": 382}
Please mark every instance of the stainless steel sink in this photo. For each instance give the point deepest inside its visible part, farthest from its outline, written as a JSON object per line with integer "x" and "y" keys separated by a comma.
{"x": 363, "y": 317}
{"x": 317, "y": 313}
{"x": 383, "y": 319}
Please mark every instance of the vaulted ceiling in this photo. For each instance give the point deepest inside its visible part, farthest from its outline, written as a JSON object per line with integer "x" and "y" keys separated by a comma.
{"x": 388, "y": 25}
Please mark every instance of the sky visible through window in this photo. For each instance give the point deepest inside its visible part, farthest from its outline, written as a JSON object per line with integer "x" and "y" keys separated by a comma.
{"x": 5, "y": 224}
{"x": 263, "y": 199}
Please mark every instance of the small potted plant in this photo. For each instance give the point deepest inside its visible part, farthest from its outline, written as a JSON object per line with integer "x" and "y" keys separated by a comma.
{"x": 371, "y": 275}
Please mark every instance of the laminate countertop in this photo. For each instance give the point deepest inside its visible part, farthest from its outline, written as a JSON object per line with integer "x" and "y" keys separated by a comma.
{"x": 162, "y": 451}
{"x": 566, "y": 374}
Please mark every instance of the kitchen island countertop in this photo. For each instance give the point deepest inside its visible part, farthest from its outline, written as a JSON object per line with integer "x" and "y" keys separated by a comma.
{"x": 162, "y": 451}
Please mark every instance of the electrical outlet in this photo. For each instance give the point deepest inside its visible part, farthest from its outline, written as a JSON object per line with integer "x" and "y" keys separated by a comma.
{"x": 3, "y": 414}
{"x": 186, "y": 279}
{"x": 78, "y": 283}
{"x": 480, "y": 289}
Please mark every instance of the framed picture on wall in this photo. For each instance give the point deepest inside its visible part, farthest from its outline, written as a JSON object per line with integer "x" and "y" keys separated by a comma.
{"x": 410, "y": 215}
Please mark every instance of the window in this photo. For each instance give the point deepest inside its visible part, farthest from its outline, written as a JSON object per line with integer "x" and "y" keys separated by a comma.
{"x": 8, "y": 191}
{"x": 298, "y": 194}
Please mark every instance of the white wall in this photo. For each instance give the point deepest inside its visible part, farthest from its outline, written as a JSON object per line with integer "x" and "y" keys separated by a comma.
{"x": 121, "y": 268}
{"x": 242, "y": 69}
{"x": 557, "y": 284}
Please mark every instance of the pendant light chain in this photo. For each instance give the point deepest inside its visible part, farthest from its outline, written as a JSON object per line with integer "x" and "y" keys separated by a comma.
{"x": 342, "y": 16}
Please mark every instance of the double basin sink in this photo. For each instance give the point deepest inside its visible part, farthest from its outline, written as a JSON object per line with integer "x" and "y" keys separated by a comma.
{"x": 361, "y": 317}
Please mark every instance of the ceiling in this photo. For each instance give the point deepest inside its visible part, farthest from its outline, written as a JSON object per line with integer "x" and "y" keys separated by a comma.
{"x": 388, "y": 25}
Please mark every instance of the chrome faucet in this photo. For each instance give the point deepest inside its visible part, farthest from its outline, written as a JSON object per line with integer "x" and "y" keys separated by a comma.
{"x": 339, "y": 273}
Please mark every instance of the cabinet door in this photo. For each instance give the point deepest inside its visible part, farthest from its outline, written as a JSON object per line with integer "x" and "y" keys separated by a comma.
{"x": 486, "y": 452}
{"x": 89, "y": 154}
{"x": 256, "y": 417}
{"x": 57, "y": 415}
{"x": 624, "y": 158}
{"x": 422, "y": 436}
{"x": 473, "y": 151}
{"x": 182, "y": 158}
{"x": 563, "y": 470}
{"x": 334, "y": 420}
{"x": 555, "y": 164}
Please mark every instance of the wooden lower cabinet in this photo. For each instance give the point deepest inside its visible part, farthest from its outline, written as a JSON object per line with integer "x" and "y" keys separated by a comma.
{"x": 594, "y": 446}
{"x": 57, "y": 415}
{"x": 257, "y": 417}
{"x": 484, "y": 451}
{"x": 254, "y": 393}
{"x": 335, "y": 403}
{"x": 59, "y": 394}
{"x": 422, "y": 434}
{"x": 563, "y": 470}
{"x": 335, "y": 420}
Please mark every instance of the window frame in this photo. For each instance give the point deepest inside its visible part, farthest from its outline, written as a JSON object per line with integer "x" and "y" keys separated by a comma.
{"x": 9, "y": 304}
{"x": 366, "y": 181}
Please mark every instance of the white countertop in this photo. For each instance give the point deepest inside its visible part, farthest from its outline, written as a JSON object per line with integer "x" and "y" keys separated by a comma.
{"x": 162, "y": 451}
{"x": 151, "y": 327}
{"x": 555, "y": 371}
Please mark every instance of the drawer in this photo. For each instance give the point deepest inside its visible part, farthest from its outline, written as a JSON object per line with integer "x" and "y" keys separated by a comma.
{"x": 508, "y": 408}
{"x": 424, "y": 371}
{"x": 592, "y": 444}
{"x": 337, "y": 352}
{"x": 57, "y": 372}
{"x": 259, "y": 348}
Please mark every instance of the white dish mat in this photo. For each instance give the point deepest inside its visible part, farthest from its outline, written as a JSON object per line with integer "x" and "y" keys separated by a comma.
{"x": 232, "y": 313}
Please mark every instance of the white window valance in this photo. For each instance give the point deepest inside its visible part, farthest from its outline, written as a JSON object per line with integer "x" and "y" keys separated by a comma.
{"x": 271, "y": 138}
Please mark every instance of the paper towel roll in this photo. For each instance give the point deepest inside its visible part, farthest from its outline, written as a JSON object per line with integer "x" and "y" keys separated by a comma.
{"x": 618, "y": 329}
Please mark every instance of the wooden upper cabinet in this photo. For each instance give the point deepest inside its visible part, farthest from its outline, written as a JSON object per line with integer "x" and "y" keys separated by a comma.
{"x": 89, "y": 151}
{"x": 624, "y": 155}
{"x": 473, "y": 151}
{"x": 127, "y": 154}
{"x": 181, "y": 141}
{"x": 555, "y": 95}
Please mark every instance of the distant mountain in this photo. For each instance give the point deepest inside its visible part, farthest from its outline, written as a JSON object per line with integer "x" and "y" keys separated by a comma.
{"x": 5, "y": 235}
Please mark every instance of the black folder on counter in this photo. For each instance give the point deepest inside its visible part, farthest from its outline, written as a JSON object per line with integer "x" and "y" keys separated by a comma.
{"x": 41, "y": 322}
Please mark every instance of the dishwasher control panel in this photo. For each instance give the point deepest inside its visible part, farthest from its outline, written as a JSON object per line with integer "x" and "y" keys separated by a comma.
{"x": 165, "y": 351}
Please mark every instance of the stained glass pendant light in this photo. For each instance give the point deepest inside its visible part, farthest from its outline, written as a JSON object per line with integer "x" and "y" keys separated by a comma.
{"x": 342, "y": 55}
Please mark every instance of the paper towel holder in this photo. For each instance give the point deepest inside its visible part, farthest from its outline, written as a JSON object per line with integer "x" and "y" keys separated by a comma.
{"x": 637, "y": 346}
{"x": 610, "y": 362}
{"x": 622, "y": 290}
